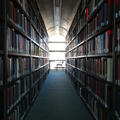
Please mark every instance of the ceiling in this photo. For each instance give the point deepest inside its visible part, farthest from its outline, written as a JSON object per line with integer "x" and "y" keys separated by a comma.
{"x": 57, "y": 15}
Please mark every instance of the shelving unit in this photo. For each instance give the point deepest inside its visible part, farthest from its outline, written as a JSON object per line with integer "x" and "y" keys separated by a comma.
{"x": 92, "y": 57}
{"x": 24, "y": 60}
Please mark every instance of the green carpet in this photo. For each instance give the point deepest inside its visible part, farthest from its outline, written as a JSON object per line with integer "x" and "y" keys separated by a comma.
{"x": 58, "y": 101}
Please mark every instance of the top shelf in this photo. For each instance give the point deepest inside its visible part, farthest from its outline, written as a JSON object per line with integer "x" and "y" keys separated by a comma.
{"x": 28, "y": 17}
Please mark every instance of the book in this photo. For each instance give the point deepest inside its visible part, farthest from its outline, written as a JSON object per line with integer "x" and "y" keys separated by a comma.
{"x": 17, "y": 42}
{"x": 81, "y": 50}
{"x": 109, "y": 69}
{"x": 101, "y": 67}
{"x": 35, "y": 49}
{"x": 17, "y": 67}
{"x": 18, "y": 17}
{"x": 36, "y": 63}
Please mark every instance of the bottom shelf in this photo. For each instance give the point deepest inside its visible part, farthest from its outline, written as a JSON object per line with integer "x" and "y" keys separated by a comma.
{"x": 94, "y": 106}
{"x": 21, "y": 109}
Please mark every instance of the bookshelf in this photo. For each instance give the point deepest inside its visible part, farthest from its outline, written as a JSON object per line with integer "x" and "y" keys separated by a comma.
{"x": 24, "y": 62}
{"x": 93, "y": 57}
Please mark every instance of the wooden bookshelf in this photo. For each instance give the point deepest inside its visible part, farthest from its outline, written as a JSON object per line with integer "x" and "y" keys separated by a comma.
{"x": 88, "y": 60}
{"x": 24, "y": 60}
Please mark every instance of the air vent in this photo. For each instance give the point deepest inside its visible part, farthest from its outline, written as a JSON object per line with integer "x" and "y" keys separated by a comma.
{"x": 57, "y": 3}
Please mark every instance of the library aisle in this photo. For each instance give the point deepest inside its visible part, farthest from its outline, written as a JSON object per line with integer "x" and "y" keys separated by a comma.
{"x": 58, "y": 100}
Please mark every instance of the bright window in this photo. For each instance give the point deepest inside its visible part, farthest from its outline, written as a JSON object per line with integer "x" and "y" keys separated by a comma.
{"x": 57, "y": 58}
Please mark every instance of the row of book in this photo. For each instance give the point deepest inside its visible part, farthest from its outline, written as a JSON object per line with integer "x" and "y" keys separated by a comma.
{"x": 20, "y": 109}
{"x": 24, "y": 104}
{"x": 98, "y": 45}
{"x": 34, "y": 91}
{"x": 80, "y": 76}
{"x": 100, "y": 89}
{"x": 22, "y": 21}
{"x": 100, "y": 20}
{"x": 80, "y": 24}
{"x": 18, "y": 94}
{"x": 80, "y": 11}
{"x": 38, "y": 62}
{"x": 79, "y": 51}
{"x": 78, "y": 39}
{"x": 35, "y": 50}
{"x": 78, "y": 63}
{"x": 101, "y": 44}
{"x": 95, "y": 104}
{"x": 100, "y": 66}
{"x": 99, "y": 111}
{"x": 19, "y": 18}
{"x": 36, "y": 76}
{"x": 16, "y": 91}
{"x": 17, "y": 67}
{"x": 105, "y": 11}
{"x": 34, "y": 35}
{"x": 17, "y": 42}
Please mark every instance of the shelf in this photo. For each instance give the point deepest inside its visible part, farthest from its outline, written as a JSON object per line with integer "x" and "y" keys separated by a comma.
{"x": 98, "y": 77}
{"x": 76, "y": 68}
{"x": 17, "y": 27}
{"x": 20, "y": 30}
{"x": 13, "y": 80}
{"x": 91, "y": 16}
{"x": 17, "y": 102}
{"x": 83, "y": 56}
{"x": 34, "y": 56}
{"x": 83, "y": 84}
{"x": 28, "y": 17}
{"x": 77, "y": 34}
{"x": 78, "y": 19}
{"x": 91, "y": 56}
{"x": 39, "y": 68}
{"x": 76, "y": 46}
{"x": 92, "y": 74}
{"x": 39, "y": 45}
{"x": 83, "y": 99}
{"x": 100, "y": 55}
{"x": 102, "y": 29}
{"x": 95, "y": 10}
{"x": 92, "y": 113}
{"x": 18, "y": 54}
{"x": 38, "y": 80}
{"x": 98, "y": 98}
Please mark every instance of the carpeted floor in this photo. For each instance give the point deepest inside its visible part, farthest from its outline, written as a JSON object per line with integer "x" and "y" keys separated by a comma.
{"x": 58, "y": 101}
